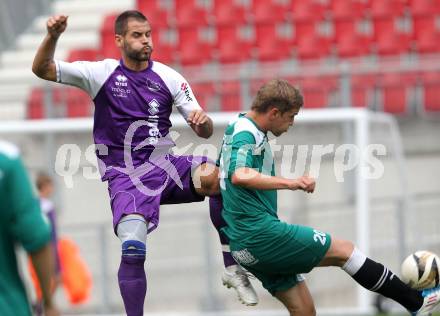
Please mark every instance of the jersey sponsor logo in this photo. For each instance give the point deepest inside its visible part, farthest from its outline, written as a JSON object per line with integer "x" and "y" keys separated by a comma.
{"x": 244, "y": 257}
{"x": 185, "y": 88}
{"x": 153, "y": 122}
{"x": 120, "y": 90}
{"x": 121, "y": 81}
{"x": 153, "y": 86}
{"x": 319, "y": 236}
{"x": 153, "y": 107}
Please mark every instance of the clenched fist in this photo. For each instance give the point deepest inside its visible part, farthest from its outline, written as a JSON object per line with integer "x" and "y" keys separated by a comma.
{"x": 304, "y": 183}
{"x": 56, "y": 25}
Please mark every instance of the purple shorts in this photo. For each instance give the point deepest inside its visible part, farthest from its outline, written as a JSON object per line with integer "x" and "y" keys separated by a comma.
{"x": 166, "y": 182}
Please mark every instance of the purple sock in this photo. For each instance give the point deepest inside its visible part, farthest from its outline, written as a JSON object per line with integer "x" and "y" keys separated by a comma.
{"x": 133, "y": 284}
{"x": 215, "y": 211}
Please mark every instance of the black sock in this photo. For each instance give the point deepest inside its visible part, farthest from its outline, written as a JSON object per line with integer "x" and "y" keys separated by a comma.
{"x": 377, "y": 278}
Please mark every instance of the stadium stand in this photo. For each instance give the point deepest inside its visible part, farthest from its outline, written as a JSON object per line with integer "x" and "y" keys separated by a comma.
{"x": 251, "y": 32}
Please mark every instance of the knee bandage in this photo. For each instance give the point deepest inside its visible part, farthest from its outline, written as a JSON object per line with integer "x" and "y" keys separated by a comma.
{"x": 132, "y": 231}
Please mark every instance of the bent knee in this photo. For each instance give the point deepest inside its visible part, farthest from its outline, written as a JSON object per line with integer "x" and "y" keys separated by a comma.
{"x": 207, "y": 179}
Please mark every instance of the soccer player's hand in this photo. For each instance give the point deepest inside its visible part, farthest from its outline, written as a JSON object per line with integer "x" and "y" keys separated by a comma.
{"x": 304, "y": 183}
{"x": 56, "y": 25}
{"x": 197, "y": 117}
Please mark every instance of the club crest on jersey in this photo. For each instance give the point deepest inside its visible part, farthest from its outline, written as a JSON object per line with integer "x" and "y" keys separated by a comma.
{"x": 153, "y": 86}
{"x": 153, "y": 107}
{"x": 184, "y": 87}
{"x": 121, "y": 81}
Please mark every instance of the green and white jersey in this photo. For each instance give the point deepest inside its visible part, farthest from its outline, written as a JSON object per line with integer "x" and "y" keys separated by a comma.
{"x": 245, "y": 210}
{"x": 21, "y": 223}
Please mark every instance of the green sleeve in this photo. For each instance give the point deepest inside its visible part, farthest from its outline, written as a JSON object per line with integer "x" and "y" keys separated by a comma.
{"x": 242, "y": 148}
{"x": 28, "y": 225}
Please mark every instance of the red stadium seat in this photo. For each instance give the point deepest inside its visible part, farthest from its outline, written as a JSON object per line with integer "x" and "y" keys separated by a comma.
{"x": 344, "y": 28}
{"x": 423, "y": 25}
{"x": 362, "y": 90}
{"x": 313, "y": 47}
{"x": 389, "y": 40}
{"x": 424, "y": 7}
{"x": 264, "y": 11}
{"x": 426, "y": 34}
{"x": 428, "y": 43}
{"x": 164, "y": 53}
{"x": 110, "y": 52}
{"x": 35, "y": 104}
{"x": 147, "y": 6}
{"x": 393, "y": 44}
{"x": 227, "y": 12}
{"x": 344, "y": 9}
{"x": 231, "y": 47}
{"x": 78, "y": 103}
{"x": 188, "y": 14}
{"x": 304, "y": 30}
{"x": 205, "y": 94}
{"x": 431, "y": 91}
{"x": 234, "y": 51}
{"x": 317, "y": 90}
{"x": 88, "y": 54}
{"x": 352, "y": 46}
{"x": 386, "y": 9}
{"x": 108, "y": 31}
{"x": 307, "y": 10}
{"x": 255, "y": 85}
{"x": 157, "y": 16}
{"x": 396, "y": 88}
{"x": 383, "y": 26}
{"x": 195, "y": 54}
{"x": 192, "y": 50}
{"x": 273, "y": 51}
{"x": 230, "y": 98}
{"x": 269, "y": 45}
{"x": 158, "y": 19}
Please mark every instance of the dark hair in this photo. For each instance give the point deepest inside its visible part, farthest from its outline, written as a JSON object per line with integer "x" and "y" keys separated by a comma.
{"x": 277, "y": 93}
{"x": 122, "y": 20}
{"x": 42, "y": 180}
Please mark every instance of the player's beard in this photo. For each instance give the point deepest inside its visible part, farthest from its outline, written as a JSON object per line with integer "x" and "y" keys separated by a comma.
{"x": 138, "y": 55}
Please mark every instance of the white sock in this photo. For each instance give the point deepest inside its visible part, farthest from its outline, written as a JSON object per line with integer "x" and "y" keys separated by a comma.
{"x": 355, "y": 262}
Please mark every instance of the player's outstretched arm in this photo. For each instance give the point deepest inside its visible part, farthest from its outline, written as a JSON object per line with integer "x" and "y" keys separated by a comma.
{"x": 201, "y": 123}
{"x": 251, "y": 179}
{"x": 44, "y": 65}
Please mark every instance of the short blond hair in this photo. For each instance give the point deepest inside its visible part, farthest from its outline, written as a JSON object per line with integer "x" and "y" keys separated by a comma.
{"x": 278, "y": 93}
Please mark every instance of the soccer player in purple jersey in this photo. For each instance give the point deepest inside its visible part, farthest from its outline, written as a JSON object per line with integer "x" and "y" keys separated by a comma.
{"x": 133, "y": 101}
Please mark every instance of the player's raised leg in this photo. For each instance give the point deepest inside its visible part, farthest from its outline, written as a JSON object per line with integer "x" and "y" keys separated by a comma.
{"x": 297, "y": 300}
{"x": 206, "y": 182}
{"x": 377, "y": 278}
{"x": 132, "y": 231}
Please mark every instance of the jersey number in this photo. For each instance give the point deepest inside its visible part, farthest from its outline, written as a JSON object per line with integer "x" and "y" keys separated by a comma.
{"x": 319, "y": 236}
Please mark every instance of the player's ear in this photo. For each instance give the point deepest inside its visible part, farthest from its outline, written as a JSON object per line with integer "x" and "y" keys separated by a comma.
{"x": 118, "y": 40}
{"x": 274, "y": 113}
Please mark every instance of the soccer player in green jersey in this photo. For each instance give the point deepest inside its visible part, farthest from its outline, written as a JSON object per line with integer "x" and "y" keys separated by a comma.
{"x": 277, "y": 252}
{"x": 21, "y": 222}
